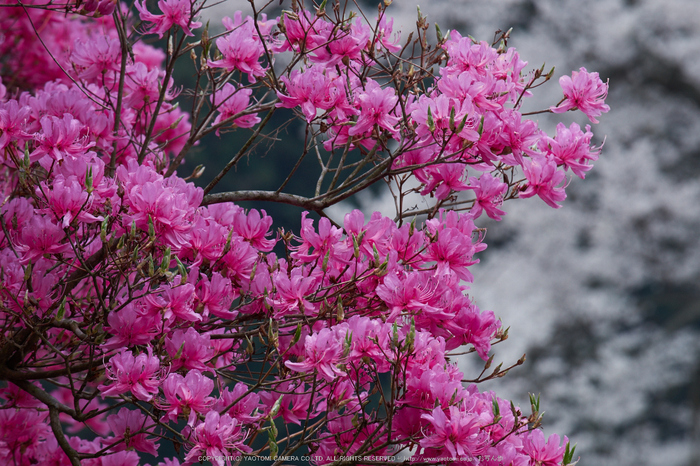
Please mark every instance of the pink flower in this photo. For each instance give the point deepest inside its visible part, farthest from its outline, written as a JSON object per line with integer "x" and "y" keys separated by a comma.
{"x": 216, "y": 295}
{"x": 466, "y": 86}
{"x": 443, "y": 179}
{"x": 303, "y": 31}
{"x": 130, "y": 328}
{"x": 377, "y": 107}
{"x": 295, "y": 406}
{"x": 241, "y": 50}
{"x": 174, "y": 302}
{"x": 97, "y": 56}
{"x": 40, "y": 236}
{"x": 372, "y": 236}
{"x": 22, "y": 432}
{"x": 453, "y": 251}
{"x": 323, "y": 353}
{"x": 175, "y": 12}
{"x": 343, "y": 45}
{"x": 545, "y": 180}
{"x": 189, "y": 350}
{"x": 543, "y": 453}
{"x": 317, "y": 245}
{"x": 142, "y": 85}
{"x": 207, "y": 242}
{"x": 13, "y": 122}
{"x": 67, "y": 201}
{"x": 292, "y": 292}
{"x": 413, "y": 293}
{"x": 168, "y": 209}
{"x": 254, "y": 229}
{"x": 231, "y": 102}
{"x": 138, "y": 375}
{"x": 218, "y": 437}
{"x": 99, "y": 7}
{"x": 470, "y": 325}
{"x": 15, "y": 397}
{"x": 125, "y": 425}
{"x": 244, "y": 407}
{"x": 572, "y": 148}
{"x": 439, "y": 118}
{"x": 240, "y": 260}
{"x": 121, "y": 458}
{"x": 489, "y": 193}
{"x": 60, "y": 138}
{"x": 383, "y": 33}
{"x": 519, "y": 136}
{"x": 314, "y": 89}
{"x": 370, "y": 339}
{"x": 583, "y": 91}
{"x": 187, "y": 395}
{"x": 465, "y": 55}
{"x": 459, "y": 434}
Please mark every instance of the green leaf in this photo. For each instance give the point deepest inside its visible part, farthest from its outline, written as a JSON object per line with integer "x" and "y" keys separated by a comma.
{"x": 569, "y": 454}
{"x": 165, "y": 263}
{"x": 297, "y": 335}
{"x": 181, "y": 270}
{"x": 431, "y": 122}
{"x": 61, "y": 310}
{"x": 103, "y": 229}
{"x": 276, "y": 407}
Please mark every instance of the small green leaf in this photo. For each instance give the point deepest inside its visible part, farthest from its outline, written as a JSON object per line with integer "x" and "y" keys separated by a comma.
{"x": 28, "y": 272}
{"x": 411, "y": 337}
{"x": 276, "y": 407}
{"x": 103, "y": 229}
{"x": 88, "y": 180}
{"x": 27, "y": 162}
{"x": 438, "y": 33}
{"x": 181, "y": 270}
{"x": 431, "y": 122}
{"x": 347, "y": 344}
{"x": 165, "y": 263}
{"x": 297, "y": 335}
{"x": 61, "y": 310}
{"x": 151, "y": 228}
{"x": 569, "y": 454}
{"x": 395, "y": 336}
{"x": 324, "y": 265}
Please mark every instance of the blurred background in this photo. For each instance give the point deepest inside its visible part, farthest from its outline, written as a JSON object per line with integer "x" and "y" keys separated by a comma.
{"x": 602, "y": 294}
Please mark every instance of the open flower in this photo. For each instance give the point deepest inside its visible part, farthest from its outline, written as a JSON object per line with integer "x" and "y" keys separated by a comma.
{"x": 584, "y": 91}
{"x": 175, "y": 12}
{"x": 138, "y": 375}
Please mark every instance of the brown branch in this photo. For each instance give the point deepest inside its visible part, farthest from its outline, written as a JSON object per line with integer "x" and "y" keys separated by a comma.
{"x": 61, "y": 438}
{"x": 15, "y": 376}
{"x": 45, "y": 398}
{"x": 271, "y": 196}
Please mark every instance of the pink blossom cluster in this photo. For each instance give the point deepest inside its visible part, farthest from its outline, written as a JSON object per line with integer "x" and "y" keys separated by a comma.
{"x": 133, "y": 302}
{"x": 467, "y": 123}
